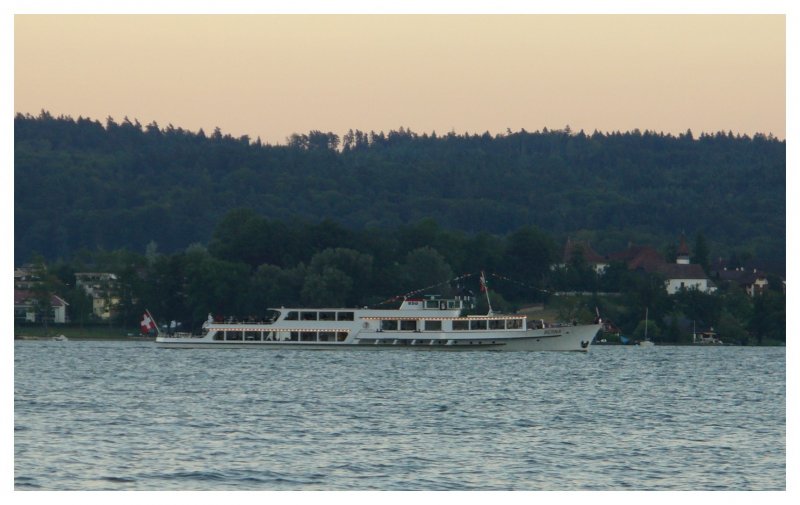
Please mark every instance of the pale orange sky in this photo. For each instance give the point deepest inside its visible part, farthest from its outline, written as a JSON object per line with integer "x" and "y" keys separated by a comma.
{"x": 274, "y": 75}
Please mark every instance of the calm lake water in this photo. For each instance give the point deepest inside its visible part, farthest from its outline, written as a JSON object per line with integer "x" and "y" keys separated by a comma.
{"x": 129, "y": 416}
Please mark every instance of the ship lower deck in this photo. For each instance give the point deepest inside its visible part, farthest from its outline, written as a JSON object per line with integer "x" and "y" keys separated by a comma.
{"x": 532, "y": 343}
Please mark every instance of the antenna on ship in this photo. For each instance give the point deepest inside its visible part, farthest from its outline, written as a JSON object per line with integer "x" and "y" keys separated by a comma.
{"x": 485, "y": 289}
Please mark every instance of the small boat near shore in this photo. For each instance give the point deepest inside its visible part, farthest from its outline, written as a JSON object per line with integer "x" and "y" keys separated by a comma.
{"x": 646, "y": 342}
{"x": 708, "y": 337}
{"x": 429, "y": 323}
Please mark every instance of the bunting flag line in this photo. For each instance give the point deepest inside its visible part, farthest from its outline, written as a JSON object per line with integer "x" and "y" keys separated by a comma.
{"x": 483, "y": 286}
{"x": 502, "y": 277}
{"x": 417, "y": 291}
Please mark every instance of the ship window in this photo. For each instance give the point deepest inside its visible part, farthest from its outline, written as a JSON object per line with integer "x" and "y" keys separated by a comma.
{"x": 344, "y": 316}
{"x": 389, "y": 325}
{"x": 433, "y": 326}
{"x": 514, "y": 324}
{"x": 219, "y": 336}
{"x": 272, "y": 316}
{"x": 451, "y": 304}
{"x": 308, "y": 336}
{"x": 291, "y": 316}
{"x": 431, "y": 304}
{"x": 341, "y": 336}
{"x": 408, "y": 325}
{"x": 327, "y": 316}
{"x": 497, "y": 324}
{"x": 293, "y": 336}
{"x": 460, "y": 325}
{"x": 326, "y": 336}
{"x": 308, "y": 316}
{"x": 478, "y": 325}
{"x": 233, "y": 335}
{"x": 252, "y": 335}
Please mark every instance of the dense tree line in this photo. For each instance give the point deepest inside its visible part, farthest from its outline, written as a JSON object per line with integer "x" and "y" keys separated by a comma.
{"x": 86, "y": 185}
{"x": 252, "y": 263}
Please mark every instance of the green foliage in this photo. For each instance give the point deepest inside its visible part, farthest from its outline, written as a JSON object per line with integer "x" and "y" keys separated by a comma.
{"x": 700, "y": 252}
{"x": 189, "y": 284}
{"x": 120, "y": 185}
{"x": 307, "y": 223}
{"x": 272, "y": 286}
{"x": 337, "y": 277}
{"x": 529, "y": 254}
{"x": 573, "y": 308}
{"x": 213, "y": 285}
{"x": 79, "y": 309}
{"x": 43, "y": 290}
{"x": 731, "y": 328}
{"x": 425, "y": 267}
{"x": 672, "y": 332}
{"x": 328, "y": 288}
{"x": 653, "y": 331}
{"x": 703, "y": 308}
{"x": 768, "y": 322}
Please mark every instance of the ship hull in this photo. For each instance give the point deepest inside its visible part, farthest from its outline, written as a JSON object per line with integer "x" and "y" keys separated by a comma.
{"x": 567, "y": 338}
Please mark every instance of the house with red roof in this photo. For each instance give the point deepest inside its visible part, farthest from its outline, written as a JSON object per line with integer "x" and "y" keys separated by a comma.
{"x": 590, "y": 256}
{"x": 677, "y": 276}
{"x": 750, "y": 278}
{"x": 26, "y": 307}
{"x": 639, "y": 258}
{"x": 683, "y": 274}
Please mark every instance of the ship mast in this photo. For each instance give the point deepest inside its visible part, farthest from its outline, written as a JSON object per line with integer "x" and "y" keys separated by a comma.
{"x": 485, "y": 289}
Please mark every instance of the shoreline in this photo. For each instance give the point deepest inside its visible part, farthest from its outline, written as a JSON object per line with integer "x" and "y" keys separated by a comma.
{"x": 85, "y": 337}
{"x": 32, "y": 338}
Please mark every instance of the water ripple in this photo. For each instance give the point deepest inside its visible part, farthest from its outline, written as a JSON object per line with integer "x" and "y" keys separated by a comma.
{"x": 128, "y": 416}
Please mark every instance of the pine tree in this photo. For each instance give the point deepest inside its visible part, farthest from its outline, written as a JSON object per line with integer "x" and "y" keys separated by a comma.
{"x": 700, "y": 256}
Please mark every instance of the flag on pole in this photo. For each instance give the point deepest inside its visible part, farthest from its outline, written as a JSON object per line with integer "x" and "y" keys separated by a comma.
{"x": 147, "y": 324}
{"x": 483, "y": 282}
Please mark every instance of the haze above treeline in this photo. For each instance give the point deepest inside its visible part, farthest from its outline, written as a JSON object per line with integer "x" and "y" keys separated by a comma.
{"x": 82, "y": 184}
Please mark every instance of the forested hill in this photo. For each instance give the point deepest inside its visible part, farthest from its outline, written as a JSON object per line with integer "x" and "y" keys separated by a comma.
{"x": 86, "y": 184}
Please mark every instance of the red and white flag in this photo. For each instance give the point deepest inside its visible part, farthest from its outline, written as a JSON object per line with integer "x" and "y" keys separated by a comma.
{"x": 483, "y": 282}
{"x": 147, "y": 324}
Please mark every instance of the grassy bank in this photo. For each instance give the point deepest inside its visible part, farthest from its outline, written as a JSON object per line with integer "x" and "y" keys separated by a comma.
{"x": 98, "y": 332}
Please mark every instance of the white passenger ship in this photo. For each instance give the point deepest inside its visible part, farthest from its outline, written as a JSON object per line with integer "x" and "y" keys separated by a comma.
{"x": 429, "y": 323}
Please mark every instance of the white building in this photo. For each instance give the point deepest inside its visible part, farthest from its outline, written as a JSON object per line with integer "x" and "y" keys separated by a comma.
{"x": 26, "y": 310}
{"x": 683, "y": 274}
{"x": 102, "y": 287}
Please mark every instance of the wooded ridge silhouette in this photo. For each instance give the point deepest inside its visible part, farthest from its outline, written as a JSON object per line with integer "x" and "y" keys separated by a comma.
{"x": 82, "y": 184}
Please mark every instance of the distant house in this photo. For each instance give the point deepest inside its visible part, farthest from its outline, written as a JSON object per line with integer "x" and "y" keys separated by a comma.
{"x": 639, "y": 258}
{"x": 26, "y": 308}
{"x": 683, "y": 274}
{"x": 103, "y": 289}
{"x": 677, "y": 276}
{"x": 24, "y": 277}
{"x": 590, "y": 256}
{"x": 752, "y": 280}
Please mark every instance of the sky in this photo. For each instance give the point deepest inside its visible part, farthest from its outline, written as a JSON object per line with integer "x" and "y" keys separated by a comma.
{"x": 269, "y": 76}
